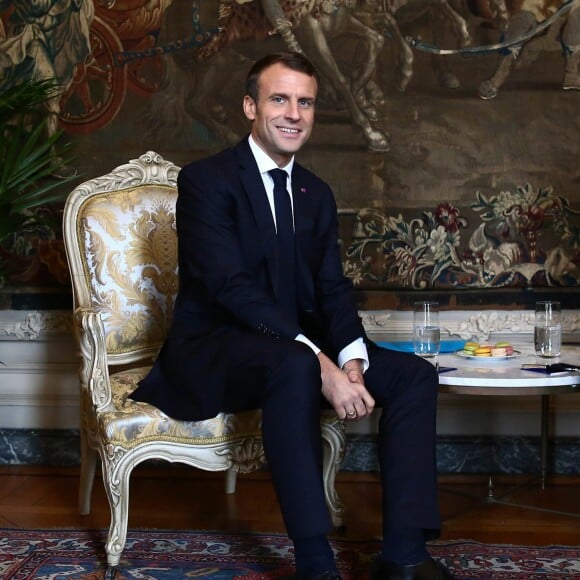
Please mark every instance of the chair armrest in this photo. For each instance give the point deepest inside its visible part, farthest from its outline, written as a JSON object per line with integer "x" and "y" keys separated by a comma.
{"x": 94, "y": 373}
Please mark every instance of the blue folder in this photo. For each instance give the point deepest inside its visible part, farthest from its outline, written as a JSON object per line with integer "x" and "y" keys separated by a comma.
{"x": 407, "y": 345}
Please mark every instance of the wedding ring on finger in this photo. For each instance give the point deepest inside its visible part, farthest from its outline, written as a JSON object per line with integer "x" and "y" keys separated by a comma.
{"x": 351, "y": 414}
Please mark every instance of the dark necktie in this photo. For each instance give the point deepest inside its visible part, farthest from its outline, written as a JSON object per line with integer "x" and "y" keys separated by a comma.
{"x": 286, "y": 291}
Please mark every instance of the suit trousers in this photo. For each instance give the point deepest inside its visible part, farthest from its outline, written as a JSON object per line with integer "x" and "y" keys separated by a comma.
{"x": 282, "y": 377}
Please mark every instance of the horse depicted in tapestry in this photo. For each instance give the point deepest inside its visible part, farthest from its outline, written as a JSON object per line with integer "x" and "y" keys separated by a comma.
{"x": 530, "y": 27}
{"x": 311, "y": 27}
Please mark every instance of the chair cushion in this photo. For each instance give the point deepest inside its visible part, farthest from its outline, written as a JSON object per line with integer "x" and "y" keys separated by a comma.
{"x": 135, "y": 422}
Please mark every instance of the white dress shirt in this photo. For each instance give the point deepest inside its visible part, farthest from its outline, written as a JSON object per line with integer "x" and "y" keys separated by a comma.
{"x": 356, "y": 349}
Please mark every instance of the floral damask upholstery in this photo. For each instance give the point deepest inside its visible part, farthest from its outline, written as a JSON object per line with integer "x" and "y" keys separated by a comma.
{"x": 121, "y": 245}
{"x": 131, "y": 256}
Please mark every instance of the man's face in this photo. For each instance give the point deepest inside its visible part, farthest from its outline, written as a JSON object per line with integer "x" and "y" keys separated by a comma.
{"x": 283, "y": 117}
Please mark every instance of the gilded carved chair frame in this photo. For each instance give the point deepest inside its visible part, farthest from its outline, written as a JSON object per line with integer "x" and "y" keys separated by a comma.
{"x": 124, "y": 276}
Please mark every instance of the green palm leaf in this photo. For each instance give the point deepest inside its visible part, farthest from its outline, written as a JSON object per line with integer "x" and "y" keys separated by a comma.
{"x": 30, "y": 159}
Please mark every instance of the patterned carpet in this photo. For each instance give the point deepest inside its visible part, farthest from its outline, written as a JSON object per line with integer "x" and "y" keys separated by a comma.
{"x": 149, "y": 554}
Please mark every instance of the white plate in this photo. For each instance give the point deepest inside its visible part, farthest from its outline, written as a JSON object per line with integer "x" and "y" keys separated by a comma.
{"x": 488, "y": 359}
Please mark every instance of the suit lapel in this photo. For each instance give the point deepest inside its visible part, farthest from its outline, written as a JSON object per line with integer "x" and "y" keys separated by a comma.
{"x": 302, "y": 204}
{"x": 303, "y": 216}
{"x": 254, "y": 187}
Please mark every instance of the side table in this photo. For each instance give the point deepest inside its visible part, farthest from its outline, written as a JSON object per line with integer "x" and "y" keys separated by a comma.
{"x": 496, "y": 378}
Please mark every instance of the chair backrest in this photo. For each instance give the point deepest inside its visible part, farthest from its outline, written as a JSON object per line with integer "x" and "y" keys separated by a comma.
{"x": 121, "y": 245}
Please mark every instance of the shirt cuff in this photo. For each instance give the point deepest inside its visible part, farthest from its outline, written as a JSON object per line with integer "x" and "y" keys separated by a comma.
{"x": 302, "y": 338}
{"x": 356, "y": 349}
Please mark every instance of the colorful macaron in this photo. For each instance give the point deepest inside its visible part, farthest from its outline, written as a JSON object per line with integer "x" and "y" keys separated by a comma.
{"x": 501, "y": 348}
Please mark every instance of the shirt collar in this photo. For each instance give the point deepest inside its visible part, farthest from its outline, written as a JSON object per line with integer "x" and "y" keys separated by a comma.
{"x": 264, "y": 161}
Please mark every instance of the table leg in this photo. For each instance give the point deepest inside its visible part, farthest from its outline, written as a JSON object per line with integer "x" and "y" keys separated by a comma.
{"x": 490, "y": 490}
{"x": 545, "y": 434}
{"x": 544, "y": 439}
{"x": 504, "y": 497}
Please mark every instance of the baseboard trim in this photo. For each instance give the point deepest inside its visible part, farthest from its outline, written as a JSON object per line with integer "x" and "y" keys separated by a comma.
{"x": 479, "y": 455}
{"x": 455, "y": 454}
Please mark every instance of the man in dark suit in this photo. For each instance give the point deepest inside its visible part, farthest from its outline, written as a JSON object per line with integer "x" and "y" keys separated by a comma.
{"x": 264, "y": 318}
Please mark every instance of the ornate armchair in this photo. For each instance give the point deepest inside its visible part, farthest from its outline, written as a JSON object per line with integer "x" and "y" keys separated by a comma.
{"x": 119, "y": 232}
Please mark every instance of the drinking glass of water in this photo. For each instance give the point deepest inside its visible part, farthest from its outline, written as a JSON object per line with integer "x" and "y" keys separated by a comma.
{"x": 426, "y": 333}
{"x": 548, "y": 329}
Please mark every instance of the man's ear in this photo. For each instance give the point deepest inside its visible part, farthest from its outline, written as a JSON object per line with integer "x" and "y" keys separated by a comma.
{"x": 249, "y": 107}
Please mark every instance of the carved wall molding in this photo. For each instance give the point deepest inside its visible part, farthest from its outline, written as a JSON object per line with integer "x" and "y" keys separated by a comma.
{"x": 34, "y": 325}
{"x": 39, "y": 325}
{"x": 466, "y": 324}
{"x": 483, "y": 324}
{"x": 375, "y": 320}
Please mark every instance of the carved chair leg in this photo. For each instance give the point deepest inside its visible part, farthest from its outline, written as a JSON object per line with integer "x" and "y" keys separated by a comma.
{"x": 116, "y": 477}
{"x": 231, "y": 479}
{"x": 334, "y": 440}
{"x": 88, "y": 466}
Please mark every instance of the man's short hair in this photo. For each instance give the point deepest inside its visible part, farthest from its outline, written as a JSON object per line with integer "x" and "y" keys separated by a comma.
{"x": 292, "y": 60}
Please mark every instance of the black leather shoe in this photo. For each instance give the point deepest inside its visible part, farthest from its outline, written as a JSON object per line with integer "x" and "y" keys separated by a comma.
{"x": 428, "y": 570}
{"x": 328, "y": 575}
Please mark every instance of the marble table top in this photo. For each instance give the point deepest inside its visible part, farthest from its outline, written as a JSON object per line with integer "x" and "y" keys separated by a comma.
{"x": 480, "y": 376}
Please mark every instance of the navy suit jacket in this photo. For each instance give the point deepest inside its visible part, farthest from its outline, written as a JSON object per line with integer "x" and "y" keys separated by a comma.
{"x": 227, "y": 271}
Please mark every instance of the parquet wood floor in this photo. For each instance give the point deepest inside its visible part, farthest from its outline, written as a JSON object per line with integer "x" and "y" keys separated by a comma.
{"x": 178, "y": 497}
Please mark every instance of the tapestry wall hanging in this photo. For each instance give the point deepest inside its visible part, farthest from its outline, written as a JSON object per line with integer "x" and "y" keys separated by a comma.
{"x": 448, "y": 131}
